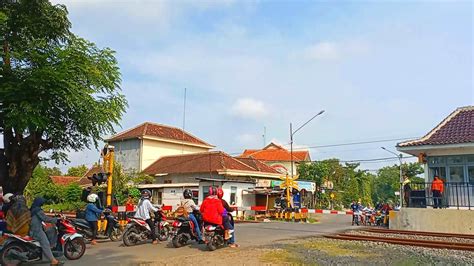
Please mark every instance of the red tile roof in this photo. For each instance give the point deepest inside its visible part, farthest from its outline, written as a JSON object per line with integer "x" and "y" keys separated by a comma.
{"x": 160, "y": 131}
{"x": 457, "y": 128}
{"x": 64, "y": 180}
{"x": 84, "y": 181}
{"x": 276, "y": 153}
{"x": 204, "y": 163}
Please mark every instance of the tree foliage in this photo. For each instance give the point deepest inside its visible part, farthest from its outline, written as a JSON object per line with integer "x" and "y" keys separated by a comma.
{"x": 125, "y": 183}
{"x": 58, "y": 92}
{"x": 79, "y": 170}
{"x": 387, "y": 181}
{"x": 351, "y": 183}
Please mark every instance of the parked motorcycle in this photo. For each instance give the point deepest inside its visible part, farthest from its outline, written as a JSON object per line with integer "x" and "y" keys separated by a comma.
{"x": 113, "y": 230}
{"x": 184, "y": 231}
{"x": 138, "y": 230}
{"x": 214, "y": 236}
{"x": 17, "y": 249}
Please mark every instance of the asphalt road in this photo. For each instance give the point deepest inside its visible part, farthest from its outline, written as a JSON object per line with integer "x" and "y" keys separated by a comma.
{"x": 247, "y": 235}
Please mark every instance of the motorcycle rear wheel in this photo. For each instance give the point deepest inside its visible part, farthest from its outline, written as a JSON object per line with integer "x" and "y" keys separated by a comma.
{"x": 74, "y": 249}
{"x": 14, "y": 246}
{"x": 128, "y": 239}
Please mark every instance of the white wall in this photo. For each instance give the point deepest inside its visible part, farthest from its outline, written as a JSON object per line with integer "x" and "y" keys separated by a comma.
{"x": 155, "y": 149}
{"x": 172, "y": 196}
{"x": 242, "y": 200}
{"x": 127, "y": 153}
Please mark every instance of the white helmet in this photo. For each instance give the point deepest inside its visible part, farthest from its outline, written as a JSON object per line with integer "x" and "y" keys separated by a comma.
{"x": 92, "y": 198}
{"x": 7, "y": 197}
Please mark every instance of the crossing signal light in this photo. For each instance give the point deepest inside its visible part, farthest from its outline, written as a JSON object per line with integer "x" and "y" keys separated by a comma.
{"x": 98, "y": 179}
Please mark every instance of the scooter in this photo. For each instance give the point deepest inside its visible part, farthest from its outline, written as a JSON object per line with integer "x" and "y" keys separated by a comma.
{"x": 113, "y": 230}
{"x": 17, "y": 249}
{"x": 214, "y": 236}
{"x": 184, "y": 230}
{"x": 137, "y": 230}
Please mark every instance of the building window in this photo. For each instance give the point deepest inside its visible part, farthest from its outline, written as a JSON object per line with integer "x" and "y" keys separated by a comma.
{"x": 470, "y": 158}
{"x": 436, "y": 160}
{"x": 196, "y": 196}
{"x": 440, "y": 171}
{"x": 233, "y": 194}
{"x": 456, "y": 174}
{"x": 167, "y": 181}
{"x": 455, "y": 160}
{"x": 470, "y": 173}
{"x": 156, "y": 197}
{"x": 205, "y": 192}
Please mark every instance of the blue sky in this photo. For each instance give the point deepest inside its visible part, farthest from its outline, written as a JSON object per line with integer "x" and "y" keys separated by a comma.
{"x": 381, "y": 70}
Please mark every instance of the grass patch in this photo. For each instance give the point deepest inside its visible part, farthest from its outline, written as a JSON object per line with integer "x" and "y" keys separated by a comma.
{"x": 335, "y": 249}
{"x": 280, "y": 256}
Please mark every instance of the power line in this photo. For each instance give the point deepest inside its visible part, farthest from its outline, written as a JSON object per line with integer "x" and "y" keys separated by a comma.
{"x": 355, "y": 143}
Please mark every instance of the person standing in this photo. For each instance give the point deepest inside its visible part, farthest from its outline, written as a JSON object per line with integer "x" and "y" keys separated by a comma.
{"x": 437, "y": 189}
{"x": 143, "y": 212}
{"x": 92, "y": 215}
{"x": 406, "y": 190}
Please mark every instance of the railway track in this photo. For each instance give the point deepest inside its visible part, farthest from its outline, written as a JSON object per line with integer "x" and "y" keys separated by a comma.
{"x": 407, "y": 242}
{"x": 418, "y": 233}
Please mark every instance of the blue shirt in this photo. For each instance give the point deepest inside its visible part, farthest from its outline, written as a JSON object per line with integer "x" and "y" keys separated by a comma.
{"x": 92, "y": 212}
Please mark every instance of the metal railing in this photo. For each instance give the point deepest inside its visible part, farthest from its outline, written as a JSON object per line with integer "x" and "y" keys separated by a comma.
{"x": 455, "y": 195}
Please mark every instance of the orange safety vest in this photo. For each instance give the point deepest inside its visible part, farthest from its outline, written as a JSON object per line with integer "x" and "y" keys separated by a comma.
{"x": 437, "y": 185}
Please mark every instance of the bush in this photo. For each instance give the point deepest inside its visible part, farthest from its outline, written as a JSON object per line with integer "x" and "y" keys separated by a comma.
{"x": 73, "y": 193}
{"x": 65, "y": 206}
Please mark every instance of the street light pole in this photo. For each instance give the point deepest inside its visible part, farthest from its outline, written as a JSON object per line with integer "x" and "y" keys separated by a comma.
{"x": 399, "y": 156}
{"x": 292, "y": 133}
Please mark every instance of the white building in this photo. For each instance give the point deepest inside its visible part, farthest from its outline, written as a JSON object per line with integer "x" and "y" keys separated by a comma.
{"x": 138, "y": 147}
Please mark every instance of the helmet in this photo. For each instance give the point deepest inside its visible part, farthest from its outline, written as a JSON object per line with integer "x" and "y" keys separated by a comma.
{"x": 220, "y": 193}
{"x": 146, "y": 193}
{"x": 212, "y": 191}
{"x": 92, "y": 198}
{"x": 7, "y": 197}
{"x": 187, "y": 194}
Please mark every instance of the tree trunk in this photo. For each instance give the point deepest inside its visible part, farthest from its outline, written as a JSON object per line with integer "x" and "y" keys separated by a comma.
{"x": 18, "y": 160}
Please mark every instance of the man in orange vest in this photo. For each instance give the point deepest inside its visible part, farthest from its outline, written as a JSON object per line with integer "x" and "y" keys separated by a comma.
{"x": 437, "y": 188}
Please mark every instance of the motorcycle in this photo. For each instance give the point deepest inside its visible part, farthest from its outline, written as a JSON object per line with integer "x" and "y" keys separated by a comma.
{"x": 113, "y": 230}
{"x": 17, "y": 249}
{"x": 357, "y": 218}
{"x": 214, "y": 236}
{"x": 184, "y": 231}
{"x": 138, "y": 230}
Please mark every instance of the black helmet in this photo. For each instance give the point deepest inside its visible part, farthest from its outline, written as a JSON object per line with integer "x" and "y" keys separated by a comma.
{"x": 146, "y": 193}
{"x": 187, "y": 194}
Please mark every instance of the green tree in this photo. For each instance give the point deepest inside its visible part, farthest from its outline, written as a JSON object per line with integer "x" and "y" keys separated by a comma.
{"x": 387, "y": 181}
{"x": 58, "y": 92}
{"x": 125, "y": 182}
{"x": 42, "y": 186}
{"x": 79, "y": 170}
{"x": 73, "y": 193}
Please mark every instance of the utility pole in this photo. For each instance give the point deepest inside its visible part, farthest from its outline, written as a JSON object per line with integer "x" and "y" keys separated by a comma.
{"x": 399, "y": 156}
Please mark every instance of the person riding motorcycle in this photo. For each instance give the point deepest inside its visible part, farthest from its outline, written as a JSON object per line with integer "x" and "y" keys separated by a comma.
{"x": 227, "y": 219}
{"x": 37, "y": 231}
{"x": 92, "y": 215}
{"x": 212, "y": 211}
{"x": 190, "y": 207}
{"x": 143, "y": 212}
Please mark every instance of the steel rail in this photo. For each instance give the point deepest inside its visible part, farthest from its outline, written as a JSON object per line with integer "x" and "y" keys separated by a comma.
{"x": 419, "y": 233}
{"x": 407, "y": 242}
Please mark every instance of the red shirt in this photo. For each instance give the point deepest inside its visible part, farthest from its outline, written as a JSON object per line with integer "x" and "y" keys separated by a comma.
{"x": 212, "y": 210}
{"x": 437, "y": 185}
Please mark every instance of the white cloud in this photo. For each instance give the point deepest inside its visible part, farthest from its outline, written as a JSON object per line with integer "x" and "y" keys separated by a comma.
{"x": 324, "y": 51}
{"x": 337, "y": 50}
{"x": 249, "y": 108}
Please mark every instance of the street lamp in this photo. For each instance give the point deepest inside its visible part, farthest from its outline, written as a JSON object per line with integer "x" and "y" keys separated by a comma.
{"x": 399, "y": 156}
{"x": 292, "y": 133}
